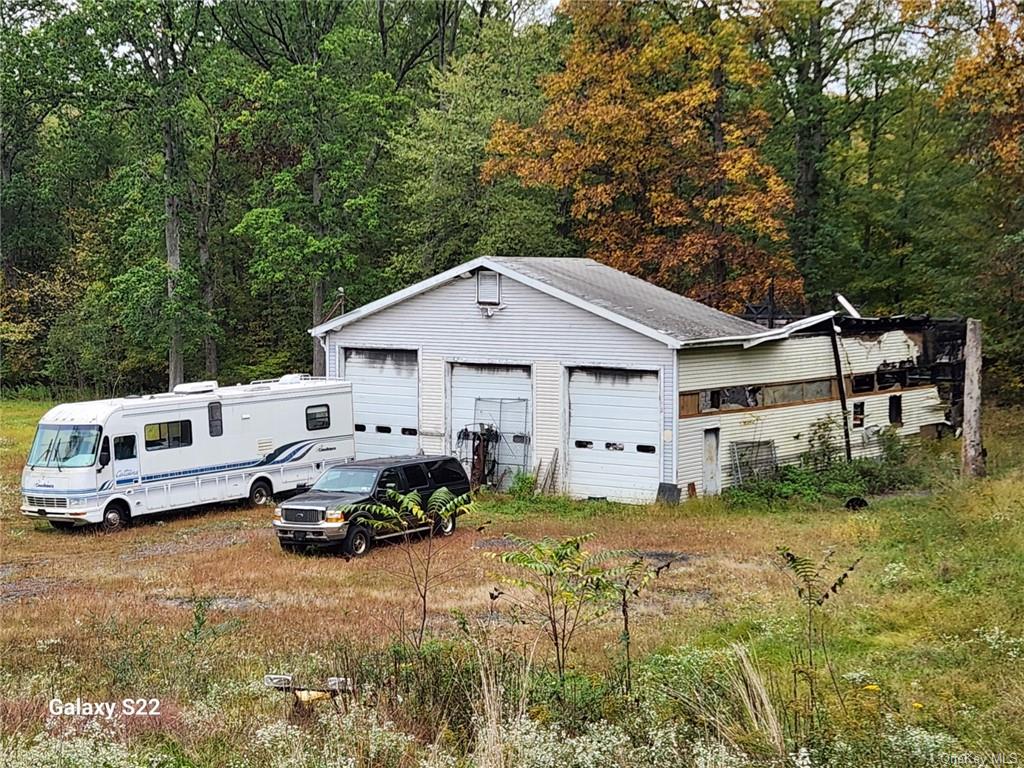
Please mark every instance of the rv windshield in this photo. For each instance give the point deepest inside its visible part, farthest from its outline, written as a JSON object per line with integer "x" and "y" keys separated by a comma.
{"x": 64, "y": 446}
{"x": 346, "y": 480}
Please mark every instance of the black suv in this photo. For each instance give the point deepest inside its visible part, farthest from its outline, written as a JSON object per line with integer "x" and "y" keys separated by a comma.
{"x": 319, "y": 518}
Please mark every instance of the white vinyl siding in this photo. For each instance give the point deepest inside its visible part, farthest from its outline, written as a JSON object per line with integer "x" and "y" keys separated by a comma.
{"x": 795, "y": 359}
{"x": 614, "y": 434}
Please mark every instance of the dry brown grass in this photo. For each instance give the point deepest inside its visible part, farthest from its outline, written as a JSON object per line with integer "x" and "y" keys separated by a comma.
{"x": 54, "y": 583}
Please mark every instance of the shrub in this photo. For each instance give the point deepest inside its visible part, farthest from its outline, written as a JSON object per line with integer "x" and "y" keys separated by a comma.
{"x": 840, "y": 479}
{"x": 523, "y": 486}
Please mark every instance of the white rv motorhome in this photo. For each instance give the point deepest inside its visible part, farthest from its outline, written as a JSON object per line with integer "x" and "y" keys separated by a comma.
{"x": 107, "y": 461}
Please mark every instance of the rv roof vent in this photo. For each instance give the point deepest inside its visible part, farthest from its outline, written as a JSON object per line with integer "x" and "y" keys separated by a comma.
{"x": 293, "y": 378}
{"x": 195, "y": 387}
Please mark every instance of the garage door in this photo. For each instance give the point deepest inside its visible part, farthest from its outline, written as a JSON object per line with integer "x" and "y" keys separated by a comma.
{"x": 499, "y": 396}
{"x": 614, "y": 434}
{"x": 385, "y": 400}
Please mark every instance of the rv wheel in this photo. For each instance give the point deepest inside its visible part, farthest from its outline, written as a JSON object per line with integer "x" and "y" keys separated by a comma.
{"x": 260, "y": 493}
{"x": 358, "y": 541}
{"x": 115, "y": 518}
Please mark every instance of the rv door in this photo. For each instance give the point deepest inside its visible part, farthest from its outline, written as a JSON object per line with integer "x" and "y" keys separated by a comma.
{"x": 126, "y": 461}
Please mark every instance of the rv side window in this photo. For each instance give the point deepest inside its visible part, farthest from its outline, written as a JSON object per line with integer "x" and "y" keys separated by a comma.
{"x": 318, "y": 417}
{"x": 168, "y": 434}
{"x": 124, "y": 447}
{"x": 216, "y": 419}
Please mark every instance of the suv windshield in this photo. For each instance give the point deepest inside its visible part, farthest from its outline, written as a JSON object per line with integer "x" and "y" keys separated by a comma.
{"x": 64, "y": 446}
{"x": 346, "y": 480}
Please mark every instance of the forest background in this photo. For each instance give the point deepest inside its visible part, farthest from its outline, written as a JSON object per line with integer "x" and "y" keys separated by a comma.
{"x": 186, "y": 185}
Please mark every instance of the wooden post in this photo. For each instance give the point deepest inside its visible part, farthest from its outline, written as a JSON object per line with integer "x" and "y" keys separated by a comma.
{"x": 841, "y": 382}
{"x": 972, "y": 457}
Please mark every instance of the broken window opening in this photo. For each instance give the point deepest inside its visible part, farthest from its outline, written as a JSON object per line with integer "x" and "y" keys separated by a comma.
{"x": 896, "y": 410}
{"x": 858, "y": 414}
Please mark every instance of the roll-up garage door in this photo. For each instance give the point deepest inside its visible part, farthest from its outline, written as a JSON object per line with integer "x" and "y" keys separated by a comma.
{"x": 614, "y": 434}
{"x": 385, "y": 400}
{"x": 499, "y": 396}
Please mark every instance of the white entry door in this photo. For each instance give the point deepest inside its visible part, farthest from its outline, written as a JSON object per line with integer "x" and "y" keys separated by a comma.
{"x": 385, "y": 400}
{"x": 499, "y": 396}
{"x": 712, "y": 471}
{"x": 614, "y": 434}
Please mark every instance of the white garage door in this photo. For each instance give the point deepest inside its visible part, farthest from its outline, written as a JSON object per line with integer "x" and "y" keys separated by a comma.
{"x": 385, "y": 399}
{"x": 500, "y": 396}
{"x": 614, "y": 434}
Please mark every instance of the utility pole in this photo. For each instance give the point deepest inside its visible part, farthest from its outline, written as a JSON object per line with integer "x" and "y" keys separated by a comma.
{"x": 972, "y": 457}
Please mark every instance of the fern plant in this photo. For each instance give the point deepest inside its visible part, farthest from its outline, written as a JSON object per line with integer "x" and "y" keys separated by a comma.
{"x": 814, "y": 588}
{"x": 406, "y": 514}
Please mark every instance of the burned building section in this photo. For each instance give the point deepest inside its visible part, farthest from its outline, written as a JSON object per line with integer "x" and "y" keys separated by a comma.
{"x": 938, "y": 362}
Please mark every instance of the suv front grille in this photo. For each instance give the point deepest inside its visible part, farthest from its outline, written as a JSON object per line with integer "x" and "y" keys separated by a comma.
{"x": 301, "y": 515}
{"x": 47, "y": 501}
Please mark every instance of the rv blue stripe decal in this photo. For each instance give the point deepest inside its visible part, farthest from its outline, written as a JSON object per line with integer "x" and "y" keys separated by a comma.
{"x": 294, "y": 455}
{"x": 291, "y": 456}
{"x": 200, "y": 471}
{"x": 303, "y": 454}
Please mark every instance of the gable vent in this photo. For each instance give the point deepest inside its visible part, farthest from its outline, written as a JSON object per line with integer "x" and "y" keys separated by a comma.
{"x": 488, "y": 287}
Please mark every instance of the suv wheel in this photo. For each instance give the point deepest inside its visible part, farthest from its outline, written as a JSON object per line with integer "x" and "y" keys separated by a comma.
{"x": 358, "y": 542}
{"x": 445, "y": 527}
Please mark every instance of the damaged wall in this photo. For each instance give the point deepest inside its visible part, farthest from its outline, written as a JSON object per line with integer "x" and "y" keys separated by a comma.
{"x": 805, "y": 358}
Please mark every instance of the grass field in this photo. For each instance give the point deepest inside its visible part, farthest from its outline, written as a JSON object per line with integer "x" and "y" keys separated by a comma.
{"x": 195, "y": 608}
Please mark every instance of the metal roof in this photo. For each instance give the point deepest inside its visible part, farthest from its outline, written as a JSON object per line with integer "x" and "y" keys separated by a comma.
{"x": 622, "y": 294}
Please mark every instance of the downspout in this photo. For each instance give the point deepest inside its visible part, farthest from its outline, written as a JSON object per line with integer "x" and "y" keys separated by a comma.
{"x": 842, "y": 390}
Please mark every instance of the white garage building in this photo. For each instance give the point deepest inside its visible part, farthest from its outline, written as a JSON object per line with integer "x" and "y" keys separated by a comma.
{"x": 612, "y": 387}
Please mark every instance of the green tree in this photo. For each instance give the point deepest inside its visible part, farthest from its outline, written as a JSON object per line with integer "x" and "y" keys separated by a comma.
{"x": 449, "y": 214}
{"x": 152, "y": 46}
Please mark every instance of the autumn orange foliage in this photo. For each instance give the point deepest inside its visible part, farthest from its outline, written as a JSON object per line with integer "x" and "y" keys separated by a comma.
{"x": 652, "y": 129}
{"x": 989, "y": 87}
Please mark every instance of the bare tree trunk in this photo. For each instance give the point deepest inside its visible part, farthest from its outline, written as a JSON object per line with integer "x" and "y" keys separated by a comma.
{"x": 172, "y": 238}
{"x": 206, "y": 268}
{"x": 972, "y": 460}
{"x": 204, "y": 211}
{"x": 319, "y": 355}
{"x": 6, "y": 173}
{"x": 720, "y": 268}
{"x": 810, "y": 115}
